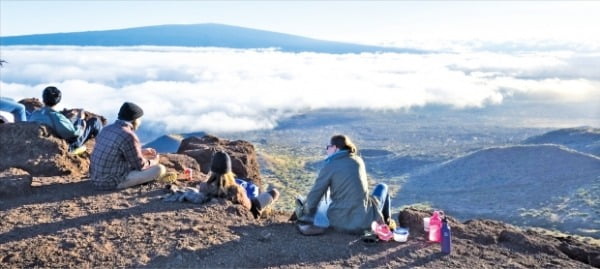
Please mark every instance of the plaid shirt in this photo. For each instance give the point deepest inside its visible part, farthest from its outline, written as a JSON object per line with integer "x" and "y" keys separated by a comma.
{"x": 116, "y": 153}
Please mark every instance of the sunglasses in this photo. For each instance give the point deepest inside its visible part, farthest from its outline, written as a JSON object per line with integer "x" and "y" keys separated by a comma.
{"x": 328, "y": 146}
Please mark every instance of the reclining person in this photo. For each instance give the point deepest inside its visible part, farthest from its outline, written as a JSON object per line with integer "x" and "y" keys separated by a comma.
{"x": 351, "y": 208}
{"x": 222, "y": 184}
{"x": 118, "y": 160}
{"x": 75, "y": 133}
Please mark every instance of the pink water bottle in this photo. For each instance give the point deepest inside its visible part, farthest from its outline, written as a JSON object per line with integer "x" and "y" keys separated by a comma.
{"x": 435, "y": 227}
{"x": 187, "y": 172}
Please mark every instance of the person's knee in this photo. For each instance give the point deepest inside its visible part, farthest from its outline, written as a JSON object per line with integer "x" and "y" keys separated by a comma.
{"x": 20, "y": 112}
{"x": 162, "y": 169}
{"x": 19, "y": 108}
{"x": 96, "y": 124}
{"x": 380, "y": 189}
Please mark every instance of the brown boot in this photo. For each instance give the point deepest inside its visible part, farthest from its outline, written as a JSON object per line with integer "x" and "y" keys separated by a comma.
{"x": 263, "y": 201}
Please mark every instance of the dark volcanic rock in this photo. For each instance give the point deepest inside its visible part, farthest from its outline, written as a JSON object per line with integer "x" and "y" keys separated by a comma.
{"x": 528, "y": 244}
{"x": 35, "y": 149}
{"x": 244, "y": 161}
{"x": 31, "y": 104}
{"x": 179, "y": 162}
{"x": 412, "y": 219}
{"x": 14, "y": 181}
{"x": 578, "y": 251}
{"x": 503, "y": 235}
{"x": 72, "y": 112}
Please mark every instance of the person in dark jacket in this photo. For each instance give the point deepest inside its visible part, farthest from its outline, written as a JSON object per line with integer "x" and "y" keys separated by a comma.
{"x": 350, "y": 207}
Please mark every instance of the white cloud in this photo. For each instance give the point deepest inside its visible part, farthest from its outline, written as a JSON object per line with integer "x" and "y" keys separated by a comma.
{"x": 203, "y": 89}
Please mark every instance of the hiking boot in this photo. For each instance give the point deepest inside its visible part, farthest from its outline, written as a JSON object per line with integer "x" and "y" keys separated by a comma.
{"x": 264, "y": 200}
{"x": 275, "y": 194}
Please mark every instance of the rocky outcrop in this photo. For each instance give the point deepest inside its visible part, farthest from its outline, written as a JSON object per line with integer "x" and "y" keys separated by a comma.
{"x": 72, "y": 112}
{"x": 496, "y": 233}
{"x": 14, "y": 181}
{"x": 244, "y": 161}
{"x": 31, "y": 104}
{"x": 36, "y": 149}
{"x": 179, "y": 162}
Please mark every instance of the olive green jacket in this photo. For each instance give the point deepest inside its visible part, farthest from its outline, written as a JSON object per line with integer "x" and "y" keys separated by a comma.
{"x": 352, "y": 208}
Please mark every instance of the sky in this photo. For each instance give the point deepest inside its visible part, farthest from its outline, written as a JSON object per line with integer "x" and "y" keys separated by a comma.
{"x": 370, "y": 22}
{"x": 487, "y": 54}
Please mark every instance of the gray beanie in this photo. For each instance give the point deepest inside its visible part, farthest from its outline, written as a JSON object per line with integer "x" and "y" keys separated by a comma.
{"x": 130, "y": 111}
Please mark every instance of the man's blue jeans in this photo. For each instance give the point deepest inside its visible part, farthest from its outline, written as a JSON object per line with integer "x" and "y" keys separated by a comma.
{"x": 17, "y": 109}
{"x": 93, "y": 126}
{"x": 381, "y": 194}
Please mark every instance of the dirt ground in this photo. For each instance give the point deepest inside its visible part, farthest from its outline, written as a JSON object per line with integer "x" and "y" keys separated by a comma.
{"x": 66, "y": 223}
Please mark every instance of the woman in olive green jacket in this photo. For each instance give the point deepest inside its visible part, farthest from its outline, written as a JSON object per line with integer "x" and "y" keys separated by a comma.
{"x": 351, "y": 209}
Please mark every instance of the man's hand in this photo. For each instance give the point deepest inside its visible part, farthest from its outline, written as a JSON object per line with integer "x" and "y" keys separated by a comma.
{"x": 149, "y": 153}
{"x": 155, "y": 160}
{"x": 152, "y": 155}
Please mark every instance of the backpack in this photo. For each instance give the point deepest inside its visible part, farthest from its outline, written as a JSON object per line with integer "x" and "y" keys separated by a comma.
{"x": 251, "y": 188}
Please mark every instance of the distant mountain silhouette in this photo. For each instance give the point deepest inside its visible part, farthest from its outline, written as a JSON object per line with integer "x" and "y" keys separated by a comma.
{"x": 584, "y": 139}
{"x": 165, "y": 143}
{"x": 170, "y": 143}
{"x": 197, "y": 35}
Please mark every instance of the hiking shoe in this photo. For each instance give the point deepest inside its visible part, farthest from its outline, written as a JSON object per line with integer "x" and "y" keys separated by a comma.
{"x": 369, "y": 237}
{"x": 275, "y": 194}
{"x": 263, "y": 201}
{"x": 169, "y": 177}
{"x": 78, "y": 151}
{"x": 309, "y": 229}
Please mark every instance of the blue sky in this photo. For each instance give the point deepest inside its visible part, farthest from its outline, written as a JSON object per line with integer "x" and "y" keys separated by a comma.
{"x": 374, "y": 22}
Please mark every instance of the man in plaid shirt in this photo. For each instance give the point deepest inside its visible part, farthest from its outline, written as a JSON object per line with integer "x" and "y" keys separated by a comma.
{"x": 118, "y": 160}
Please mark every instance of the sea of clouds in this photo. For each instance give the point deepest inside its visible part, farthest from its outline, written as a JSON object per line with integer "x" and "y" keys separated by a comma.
{"x": 220, "y": 90}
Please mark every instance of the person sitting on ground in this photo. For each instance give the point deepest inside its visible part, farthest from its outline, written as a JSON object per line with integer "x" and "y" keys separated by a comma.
{"x": 118, "y": 160}
{"x": 222, "y": 184}
{"x": 16, "y": 109}
{"x": 75, "y": 133}
{"x": 351, "y": 209}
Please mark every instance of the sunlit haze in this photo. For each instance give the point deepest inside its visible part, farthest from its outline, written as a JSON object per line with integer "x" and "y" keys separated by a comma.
{"x": 481, "y": 54}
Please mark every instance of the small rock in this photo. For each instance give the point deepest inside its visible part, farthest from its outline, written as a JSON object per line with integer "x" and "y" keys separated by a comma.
{"x": 14, "y": 181}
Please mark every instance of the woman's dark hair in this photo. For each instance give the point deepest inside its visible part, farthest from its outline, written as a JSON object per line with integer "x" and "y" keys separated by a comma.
{"x": 343, "y": 142}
